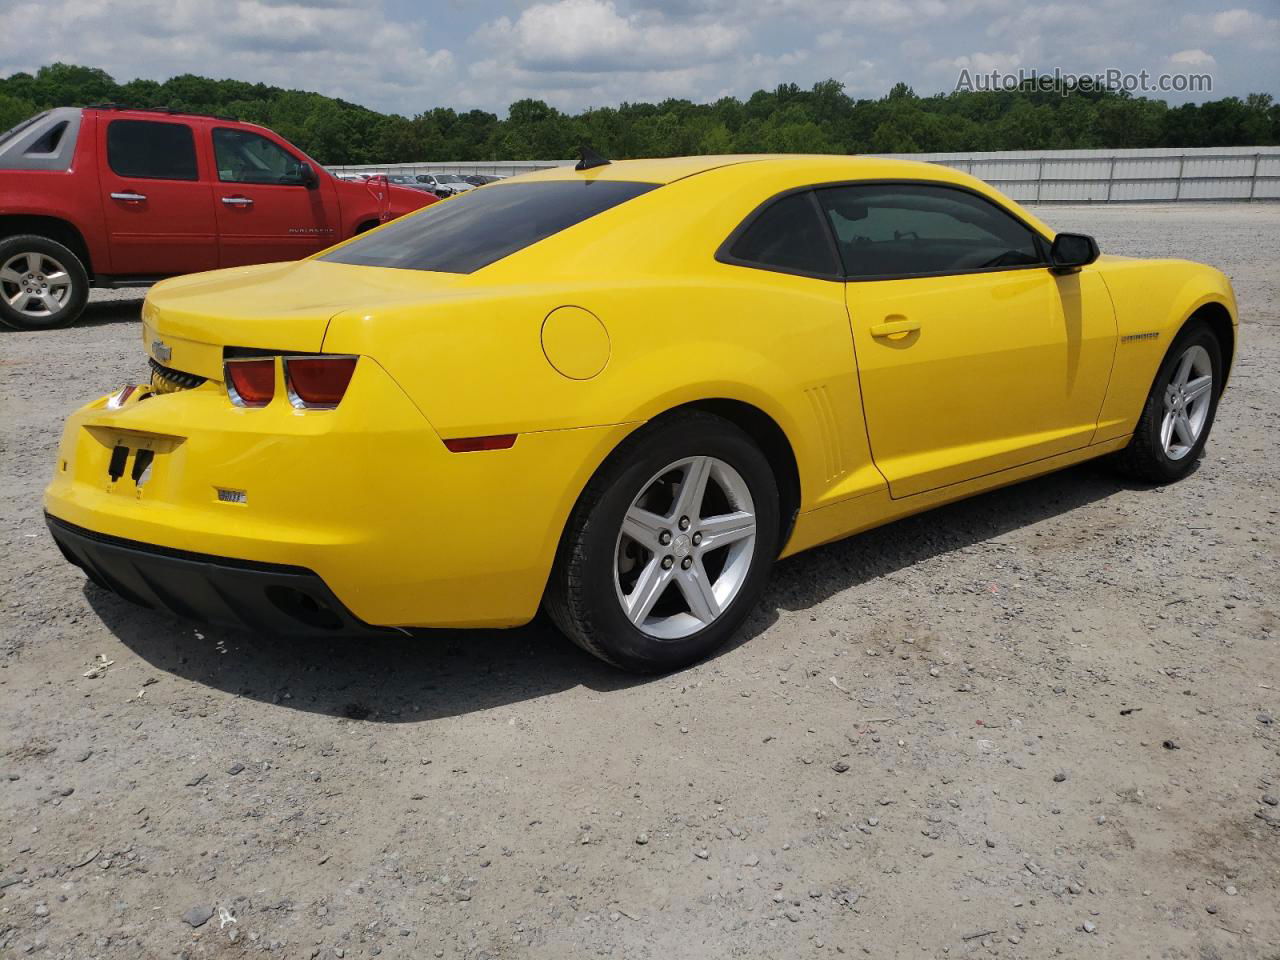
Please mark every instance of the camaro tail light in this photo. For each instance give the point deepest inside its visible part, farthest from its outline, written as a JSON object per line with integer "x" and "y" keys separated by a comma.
{"x": 502, "y": 441}
{"x": 251, "y": 383}
{"x": 318, "y": 381}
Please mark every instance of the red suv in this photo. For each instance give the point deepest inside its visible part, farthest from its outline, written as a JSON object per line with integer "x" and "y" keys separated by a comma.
{"x": 111, "y": 197}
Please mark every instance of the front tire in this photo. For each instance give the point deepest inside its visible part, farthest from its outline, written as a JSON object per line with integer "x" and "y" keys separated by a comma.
{"x": 1176, "y": 419}
{"x": 43, "y": 284}
{"x": 669, "y": 547}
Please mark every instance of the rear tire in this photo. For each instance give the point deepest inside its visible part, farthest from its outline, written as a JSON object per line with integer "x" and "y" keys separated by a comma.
{"x": 669, "y": 547}
{"x": 1176, "y": 419}
{"x": 43, "y": 284}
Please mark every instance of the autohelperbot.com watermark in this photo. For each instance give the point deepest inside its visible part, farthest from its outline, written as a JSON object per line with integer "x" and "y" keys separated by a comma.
{"x": 1066, "y": 83}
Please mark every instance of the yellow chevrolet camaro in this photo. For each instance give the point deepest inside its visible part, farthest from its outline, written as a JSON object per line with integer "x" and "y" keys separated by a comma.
{"x": 621, "y": 392}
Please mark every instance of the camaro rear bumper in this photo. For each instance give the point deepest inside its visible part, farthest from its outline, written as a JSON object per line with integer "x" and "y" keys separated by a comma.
{"x": 364, "y": 499}
{"x": 264, "y": 597}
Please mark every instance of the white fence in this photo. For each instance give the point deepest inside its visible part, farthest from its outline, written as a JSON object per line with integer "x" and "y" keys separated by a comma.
{"x": 1126, "y": 176}
{"x": 1043, "y": 176}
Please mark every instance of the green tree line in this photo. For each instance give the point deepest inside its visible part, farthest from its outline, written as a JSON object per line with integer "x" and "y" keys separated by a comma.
{"x": 788, "y": 119}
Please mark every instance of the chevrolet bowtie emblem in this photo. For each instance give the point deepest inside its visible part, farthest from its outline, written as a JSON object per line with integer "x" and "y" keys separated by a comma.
{"x": 162, "y": 351}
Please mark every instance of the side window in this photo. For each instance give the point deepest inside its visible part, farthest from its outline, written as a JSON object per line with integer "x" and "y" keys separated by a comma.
{"x": 788, "y": 236}
{"x": 245, "y": 157}
{"x": 895, "y": 230}
{"x": 49, "y": 140}
{"x": 151, "y": 150}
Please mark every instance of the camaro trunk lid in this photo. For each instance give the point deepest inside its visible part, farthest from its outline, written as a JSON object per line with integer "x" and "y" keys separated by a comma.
{"x": 190, "y": 323}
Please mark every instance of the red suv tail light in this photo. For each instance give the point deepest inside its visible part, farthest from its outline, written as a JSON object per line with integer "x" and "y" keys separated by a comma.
{"x": 251, "y": 383}
{"x": 317, "y": 381}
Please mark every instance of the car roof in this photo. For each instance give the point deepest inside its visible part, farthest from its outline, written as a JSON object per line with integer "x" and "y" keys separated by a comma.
{"x": 670, "y": 169}
{"x": 769, "y": 173}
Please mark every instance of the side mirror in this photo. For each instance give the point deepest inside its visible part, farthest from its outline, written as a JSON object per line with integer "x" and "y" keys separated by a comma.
{"x": 307, "y": 174}
{"x": 1071, "y": 251}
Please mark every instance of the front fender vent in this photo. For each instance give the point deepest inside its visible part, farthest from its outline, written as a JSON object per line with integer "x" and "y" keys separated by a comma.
{"x": 167, "y": 380}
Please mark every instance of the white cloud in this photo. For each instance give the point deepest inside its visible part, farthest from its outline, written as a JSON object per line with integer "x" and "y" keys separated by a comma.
{"x": 1231, "y": 23}
{"x": 1238, "y": 25}
{"x": 983, "y": 62}
{"x": 343, "y": 48}
{"x": 1192, "y": 58}
{"x": 407, "y": 56}
{"x": 592, "y": 36}
{"x": 916, "y": 47}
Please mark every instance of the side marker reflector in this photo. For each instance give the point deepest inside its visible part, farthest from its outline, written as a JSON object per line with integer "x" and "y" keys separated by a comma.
{"x": 502, "y": 441}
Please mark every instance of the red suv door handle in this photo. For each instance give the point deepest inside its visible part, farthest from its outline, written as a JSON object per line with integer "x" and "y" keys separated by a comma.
{"x": 237, "y": 201}
{"x": 129, "y": 197}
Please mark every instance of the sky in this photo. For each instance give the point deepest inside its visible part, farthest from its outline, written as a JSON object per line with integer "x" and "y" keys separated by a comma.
{"x": 405, "y": 57}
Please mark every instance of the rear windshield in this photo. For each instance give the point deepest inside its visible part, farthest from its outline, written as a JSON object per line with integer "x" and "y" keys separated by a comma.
{"x": 465, "y": 233}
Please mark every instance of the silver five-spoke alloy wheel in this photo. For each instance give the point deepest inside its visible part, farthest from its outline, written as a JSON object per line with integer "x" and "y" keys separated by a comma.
{"x": 34, "y": 284}
{"x": 1186, "y": 402}
{"x": 685, "y": 547}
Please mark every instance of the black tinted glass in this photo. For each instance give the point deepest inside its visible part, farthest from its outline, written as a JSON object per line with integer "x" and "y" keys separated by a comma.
{"x": 473, "y": 230}
{"x": 156, "y": 151}
{"x": 789, "y": 236}
{"x": 49, "y": 140}
{"x": 151, "y": 150}
{"x": 904, "y": 230}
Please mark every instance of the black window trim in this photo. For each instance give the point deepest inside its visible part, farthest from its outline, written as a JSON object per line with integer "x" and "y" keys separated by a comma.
{"x": 724, "y": 255}
{"x": 247, "y": 183}
{"x": 195, "y": 150}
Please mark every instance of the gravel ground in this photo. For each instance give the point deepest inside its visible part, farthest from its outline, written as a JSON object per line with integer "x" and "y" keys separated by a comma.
{"x": 1038, "y": 723}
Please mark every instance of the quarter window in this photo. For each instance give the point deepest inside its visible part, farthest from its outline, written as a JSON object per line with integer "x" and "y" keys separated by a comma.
{"x": 895, "y": 230}
{"x": 245, "y": 157}
{"x": 788, "y": 236}
{"x": 151, "y": 150}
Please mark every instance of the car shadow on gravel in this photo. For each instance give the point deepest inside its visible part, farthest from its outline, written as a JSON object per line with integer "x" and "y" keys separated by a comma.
{"x": 811, "y": 577}
{"x": 100, "y": 312}
{"x": 450, "y": 672}
{"x": 97, "y": 313}
{"x": 391, "y": 679}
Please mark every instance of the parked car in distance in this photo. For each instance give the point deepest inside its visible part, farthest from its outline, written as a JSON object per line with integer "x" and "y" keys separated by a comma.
{"x": 111, "y": 196}
{"x": 453, "y": 182}
{"x": 405, "y": 180}
{"x": 480, "y": 179}
{"x": 436, "y": 184}
{"x": 736, "y": 359}
{"x": 444, "y": 184}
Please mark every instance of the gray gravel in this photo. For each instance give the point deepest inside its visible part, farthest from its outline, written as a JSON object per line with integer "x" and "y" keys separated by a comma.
{"x": 471, "y": 795}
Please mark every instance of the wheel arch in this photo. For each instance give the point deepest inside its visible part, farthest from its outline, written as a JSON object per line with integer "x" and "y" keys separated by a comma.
{"x": 772, "y": 440}
{"x": 763, "y": 430}
{"x": 53, "y": 228}
{"x": 1218, "y": 317}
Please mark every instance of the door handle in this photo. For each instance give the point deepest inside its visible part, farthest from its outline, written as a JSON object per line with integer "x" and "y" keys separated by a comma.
{"x": 129, "y": 197}
{"x": 237, "y": 201}
{"x": 891, "y": 328}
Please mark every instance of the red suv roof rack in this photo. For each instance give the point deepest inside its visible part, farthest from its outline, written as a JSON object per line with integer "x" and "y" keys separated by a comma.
{"x": 173, "y": 111}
